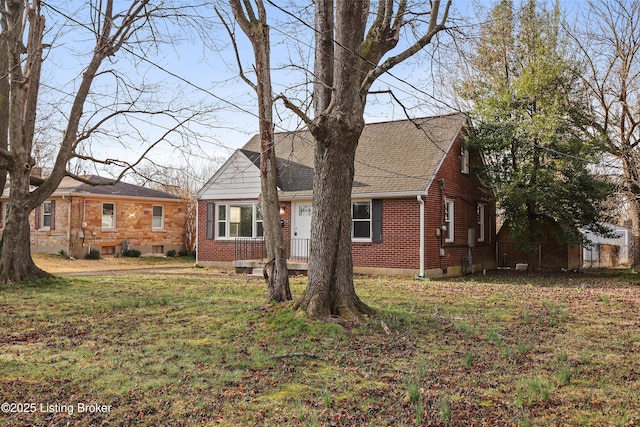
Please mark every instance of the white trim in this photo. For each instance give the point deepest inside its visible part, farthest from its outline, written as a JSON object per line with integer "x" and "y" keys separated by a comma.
{"x": 114, "y": 225}
{"x": 227, "y": 220}
{"x": 162, "y": 217}
{"x": 362, "y": 239}
{"x": 482, "y": 223}
{"x": 452, "y": 216}
{"x": 422, "y": 226}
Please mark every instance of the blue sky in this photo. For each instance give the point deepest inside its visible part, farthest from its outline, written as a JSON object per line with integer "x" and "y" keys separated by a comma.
{"x": 187, "y": 71}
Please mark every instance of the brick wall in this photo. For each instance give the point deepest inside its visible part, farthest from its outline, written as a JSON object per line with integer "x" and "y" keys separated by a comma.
{"x": 224, "y": 250}
{"x": 400, "y": 246}
{"x": 133, "y": 222}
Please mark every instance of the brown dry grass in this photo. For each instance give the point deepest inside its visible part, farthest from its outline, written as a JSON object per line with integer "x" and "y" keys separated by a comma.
{"x": 57, "y": 264}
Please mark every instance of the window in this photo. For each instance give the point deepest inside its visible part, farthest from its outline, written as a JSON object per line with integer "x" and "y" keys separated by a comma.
{"x": 108, "y": 215}
{"x": 45, "y": 220}
{"x": 448, "y": 220}
{"x": 222, "y": 221}
{"x": 108, "y": 250}
{"x": 361, "y": 228}
{"x": 464, "y": 155}
{"x": 158, "y": 217}
{"x": 480, "y": 222}
{"x": 157, "y": 249}
{"x": 239, "y": 221}
{"x": 259, "y": 226}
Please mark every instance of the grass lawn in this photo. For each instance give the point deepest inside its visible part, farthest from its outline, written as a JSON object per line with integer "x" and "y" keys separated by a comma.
{"x": 201, "y": 349}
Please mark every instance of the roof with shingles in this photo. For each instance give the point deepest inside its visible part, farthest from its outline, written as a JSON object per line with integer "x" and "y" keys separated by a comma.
{"x": 395, "y": 157}
{"x": 107, "y": 187}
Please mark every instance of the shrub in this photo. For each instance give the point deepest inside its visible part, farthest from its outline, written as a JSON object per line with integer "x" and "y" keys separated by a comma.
{"x": 93, "y": 254}
{"x": 131, "y": 253}
{"x": 171, "y": 253}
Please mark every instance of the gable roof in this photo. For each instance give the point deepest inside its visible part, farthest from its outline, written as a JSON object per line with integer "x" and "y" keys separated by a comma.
{"x": 110, "y": 188}
{"x": 395, "y": 158}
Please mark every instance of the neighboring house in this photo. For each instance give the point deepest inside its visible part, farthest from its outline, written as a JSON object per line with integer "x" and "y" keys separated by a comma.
{"x": 78, "y": 217}
{"x": 418, "y": 207}
{"x": 610, "y": 251}
{"x": 548, "y": 250}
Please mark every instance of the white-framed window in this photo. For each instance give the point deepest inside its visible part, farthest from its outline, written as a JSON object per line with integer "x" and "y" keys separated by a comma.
{"x": 481, "y": 209}
{"x": 45, "y": 215}
{"x": 464, "y": 159}
{"x": 241, "y": 220}
{"x": 157, "y": 221}
{"x": 448, "y": 220}
{"x": 361, "y": 220}
{"x": 109, "y": 215}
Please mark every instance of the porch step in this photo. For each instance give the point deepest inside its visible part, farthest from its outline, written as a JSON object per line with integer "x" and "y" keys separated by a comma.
{"x": 254, "y": 267}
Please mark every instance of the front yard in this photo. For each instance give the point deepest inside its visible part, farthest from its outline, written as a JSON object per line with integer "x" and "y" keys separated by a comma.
{"x": 198, "y": 349}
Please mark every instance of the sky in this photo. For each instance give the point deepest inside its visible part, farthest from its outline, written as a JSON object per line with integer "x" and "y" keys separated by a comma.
{"x": 194, "y": 68}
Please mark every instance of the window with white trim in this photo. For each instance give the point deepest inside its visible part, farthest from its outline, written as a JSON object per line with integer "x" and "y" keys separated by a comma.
{"x": 157, "y": 222}
{"x": 109, "y": 215}
{"x": 45, "y": 215}
{"x": 361, "y": 220}
{"x": 481, "y": 222}
{"x": 448, "y": 220}
{"x": 238, "y": 221}
{"x": 464, "y": 156}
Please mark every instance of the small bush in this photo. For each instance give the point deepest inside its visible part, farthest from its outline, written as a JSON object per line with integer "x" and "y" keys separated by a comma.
{"x": 93, "y": 254}
{"x": 131, "y": 253}
{"x": 171, "y": 253}
{"x": 184, "y": 252}
{"x": 62, "y": 253}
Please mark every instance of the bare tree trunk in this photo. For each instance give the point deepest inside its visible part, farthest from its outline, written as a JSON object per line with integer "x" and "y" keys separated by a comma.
{"x": 256, "y": 28}
{"x": 15, "y": 259}
{"x": 634, "y": 213}
{"x": 346, "y": 64}
{"x": 330, "y": 290}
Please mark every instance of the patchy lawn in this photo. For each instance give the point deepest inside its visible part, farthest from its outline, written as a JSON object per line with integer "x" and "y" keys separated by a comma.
{"x": 57, "y": 264}
{"x": 201, "y": 350}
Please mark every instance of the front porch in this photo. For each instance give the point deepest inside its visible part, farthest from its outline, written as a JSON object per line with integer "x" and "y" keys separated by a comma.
{"x": 250, "y": 255}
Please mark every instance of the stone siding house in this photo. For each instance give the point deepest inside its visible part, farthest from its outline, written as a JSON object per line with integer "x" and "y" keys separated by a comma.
{"x": 418, "y": 206}
{"x": 79, "y": 217}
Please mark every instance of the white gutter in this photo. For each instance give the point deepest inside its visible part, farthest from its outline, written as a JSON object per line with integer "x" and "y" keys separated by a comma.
{"x": 197, "y": 230}
{"x": 421, "y": 236}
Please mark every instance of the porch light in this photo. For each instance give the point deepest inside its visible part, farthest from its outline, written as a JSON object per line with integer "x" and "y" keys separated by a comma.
{"x": 282, "y": 211}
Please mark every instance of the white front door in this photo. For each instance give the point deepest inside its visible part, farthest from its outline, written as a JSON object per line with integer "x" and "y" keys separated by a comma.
{"x": 301, "y": 230}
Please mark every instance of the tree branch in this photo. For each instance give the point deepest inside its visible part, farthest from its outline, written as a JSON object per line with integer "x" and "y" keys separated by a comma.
{"x": 434, "y": 28}
{"x": 297, "y": 111}
{"x": 232, "y": 36}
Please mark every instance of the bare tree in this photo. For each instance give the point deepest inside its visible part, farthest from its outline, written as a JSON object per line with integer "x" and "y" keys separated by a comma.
{"x": 256, "y": 28}
{"x": 348, "y": 60}
{"x": 22, "y": 53}
{"x": 609, "y": 39}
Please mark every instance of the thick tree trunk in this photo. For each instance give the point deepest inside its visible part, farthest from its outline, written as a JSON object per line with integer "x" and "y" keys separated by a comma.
{"x": 634, "y": 213}
{"x": 16, "y": 264}
{"x": 330, "y": 289}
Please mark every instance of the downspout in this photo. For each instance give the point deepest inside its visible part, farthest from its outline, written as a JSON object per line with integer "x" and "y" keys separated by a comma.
{"x": 197, "y": 229}
{"x": 419, "y": 197}
{"x": 69, "y": 226}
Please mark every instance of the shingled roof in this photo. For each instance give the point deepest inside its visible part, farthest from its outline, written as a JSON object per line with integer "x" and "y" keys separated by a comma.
{"x": 108, "y": 187}
{"x": 395, "y": 157}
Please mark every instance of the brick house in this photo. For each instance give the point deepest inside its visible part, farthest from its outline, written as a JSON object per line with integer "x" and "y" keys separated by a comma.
{"x": 418, "y": 207}
{"x": 78, "y": 217}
